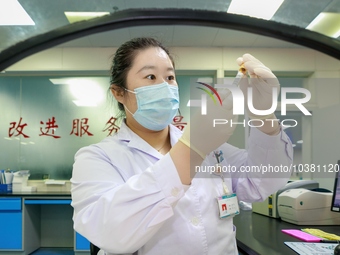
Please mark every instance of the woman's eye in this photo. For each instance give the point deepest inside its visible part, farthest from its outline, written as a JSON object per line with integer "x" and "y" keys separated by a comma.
{"x": 151, "y": 77}
{"x": 171, "y": 78}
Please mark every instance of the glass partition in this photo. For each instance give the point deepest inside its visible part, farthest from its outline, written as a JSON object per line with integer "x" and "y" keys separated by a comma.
{"x": 56, "y": 101}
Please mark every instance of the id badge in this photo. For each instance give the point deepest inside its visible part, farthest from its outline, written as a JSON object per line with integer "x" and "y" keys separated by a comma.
{"x": 228, "y": 205}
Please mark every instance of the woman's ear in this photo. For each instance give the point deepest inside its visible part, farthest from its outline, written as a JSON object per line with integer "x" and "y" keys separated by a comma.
{"x": 117, "y": 92}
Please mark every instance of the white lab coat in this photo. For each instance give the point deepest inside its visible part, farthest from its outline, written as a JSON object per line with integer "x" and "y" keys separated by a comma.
{"x": 128, "y": 197}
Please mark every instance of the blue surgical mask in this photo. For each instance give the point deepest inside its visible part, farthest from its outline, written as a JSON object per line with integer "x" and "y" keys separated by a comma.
{"x": 157, "y": 105}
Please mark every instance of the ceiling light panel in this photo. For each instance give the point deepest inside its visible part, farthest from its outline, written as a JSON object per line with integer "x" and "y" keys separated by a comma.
{"x": 327, "y": 23}
{"x": 73, "y": 17}
{"x": 13, "y": 14}
{"x": 263, "y": 9}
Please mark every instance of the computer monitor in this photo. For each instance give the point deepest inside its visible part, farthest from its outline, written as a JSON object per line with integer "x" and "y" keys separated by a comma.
{"x": 335, "y": 207}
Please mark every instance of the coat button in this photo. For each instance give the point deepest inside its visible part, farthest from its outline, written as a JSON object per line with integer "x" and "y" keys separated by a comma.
{"x": 174, "y": 192}
{"x": 195, "y": 221}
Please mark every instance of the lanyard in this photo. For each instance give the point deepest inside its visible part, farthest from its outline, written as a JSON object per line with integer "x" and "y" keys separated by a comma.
{"x": 227, "y": 203}
{"x": 219, "y": 158}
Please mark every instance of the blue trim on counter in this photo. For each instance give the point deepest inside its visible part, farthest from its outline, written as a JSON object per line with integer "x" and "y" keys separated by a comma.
{"x": 47, "y": 201}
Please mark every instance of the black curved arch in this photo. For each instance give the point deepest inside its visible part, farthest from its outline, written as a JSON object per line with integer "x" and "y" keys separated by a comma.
{"x": 141, "y": 17}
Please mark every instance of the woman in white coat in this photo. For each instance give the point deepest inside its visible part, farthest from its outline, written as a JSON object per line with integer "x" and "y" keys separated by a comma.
{"x": 137, "y": 192}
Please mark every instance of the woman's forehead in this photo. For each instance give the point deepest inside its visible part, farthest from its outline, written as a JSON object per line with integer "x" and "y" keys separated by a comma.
{"x": 153, "y": 56}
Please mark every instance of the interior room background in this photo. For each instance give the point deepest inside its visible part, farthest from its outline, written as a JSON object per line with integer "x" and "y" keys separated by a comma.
{"x": 56, "y": 101}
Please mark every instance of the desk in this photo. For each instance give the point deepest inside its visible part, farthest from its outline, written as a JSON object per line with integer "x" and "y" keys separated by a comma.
{"x": 34, "y": 213}
{"x": 259, "y": 234}
{"x": 39, "y": 219}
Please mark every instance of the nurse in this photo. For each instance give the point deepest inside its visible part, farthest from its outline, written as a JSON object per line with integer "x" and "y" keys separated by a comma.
{"x": 139, "y": 191}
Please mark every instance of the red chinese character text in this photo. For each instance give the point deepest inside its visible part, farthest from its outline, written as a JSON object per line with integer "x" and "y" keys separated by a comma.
{"x": 177, "y": 122}
{"x": 112, "y": 127}
{"x": 80, "y": 127}
{"x": 17, "y": 129}
{"x": 51, "y": 126}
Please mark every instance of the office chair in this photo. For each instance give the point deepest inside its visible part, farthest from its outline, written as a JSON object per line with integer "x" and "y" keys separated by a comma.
{"x": 93, "y": 249}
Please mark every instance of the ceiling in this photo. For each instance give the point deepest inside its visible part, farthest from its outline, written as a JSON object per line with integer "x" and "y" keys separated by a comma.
{"x": 49, "y": 15}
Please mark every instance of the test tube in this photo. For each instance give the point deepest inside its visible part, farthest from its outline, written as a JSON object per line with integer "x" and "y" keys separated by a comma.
{"x": 241, "y": 71}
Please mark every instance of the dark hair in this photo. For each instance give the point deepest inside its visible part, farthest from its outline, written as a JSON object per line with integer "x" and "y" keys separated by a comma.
{"x": 124, "y": 57}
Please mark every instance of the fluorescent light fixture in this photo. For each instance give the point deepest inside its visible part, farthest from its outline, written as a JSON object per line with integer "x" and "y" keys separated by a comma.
{"x": 13, "y": 14}
{"x": 337, "y": 34}
{"x": 73, "y": 17}
{"x": 263, "y": 9}
{"x": 84, "y": 103}
{"x": 293, "y": 145}
{"x": 87, "y": 92}
{"x": 61, "y": 81}
{"x": 327, "y": 23}
{"x": 7, "y": 138}
{"x": 300, "y": 142}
